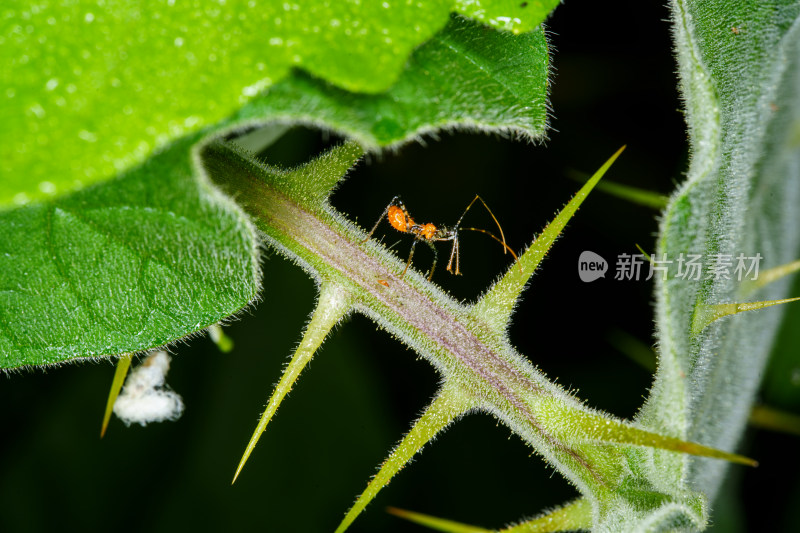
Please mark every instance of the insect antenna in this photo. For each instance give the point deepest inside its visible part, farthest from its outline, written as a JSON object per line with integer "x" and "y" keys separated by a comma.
{"x": 506, "y": 248}
{"x": 502, "y": 239}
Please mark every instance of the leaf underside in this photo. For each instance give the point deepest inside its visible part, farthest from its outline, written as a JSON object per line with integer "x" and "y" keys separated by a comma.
{"x": 156, "y": 255}
{"x": 741, "y": 197}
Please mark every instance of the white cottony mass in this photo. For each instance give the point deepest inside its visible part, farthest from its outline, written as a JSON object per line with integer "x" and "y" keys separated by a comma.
{"x": 144, "y": 397}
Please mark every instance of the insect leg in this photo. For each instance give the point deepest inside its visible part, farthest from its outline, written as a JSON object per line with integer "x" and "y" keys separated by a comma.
{"x": 395, "y": 201}
{"x": 454, "y": 255}
{"x": 435, "y": 258}
{"x": 410, "y": 255}
{"x": 495, "y": 237}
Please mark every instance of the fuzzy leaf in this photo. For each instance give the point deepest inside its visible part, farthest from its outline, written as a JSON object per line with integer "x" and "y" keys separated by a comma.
{"x": 101, "y": 87}
{"x": 123, "y": 267}
{"x": 138, "y": 262}
{"x": 464, "y": 77}
{"x": 514, "y": 15}
{"x": 741, "y": 197}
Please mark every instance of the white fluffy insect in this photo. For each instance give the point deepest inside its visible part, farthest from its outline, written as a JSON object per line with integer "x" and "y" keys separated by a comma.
{"x": 144, "y": 397}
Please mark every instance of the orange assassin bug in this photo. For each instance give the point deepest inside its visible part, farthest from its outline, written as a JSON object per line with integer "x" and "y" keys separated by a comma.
{"x": 429, "y": 233}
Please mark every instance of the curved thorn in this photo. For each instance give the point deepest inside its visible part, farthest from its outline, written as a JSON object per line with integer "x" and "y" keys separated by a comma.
{"x": 497, "y": 304}
{"x": 447, "y": 406}
{"x": 218, "y": 337}
{"x": 765, "y": 417}
{"x": 123, "y": 364}
{"x": 705, "y": 314}
{"x": 433, "y": 522}
{"x": 331, "y": 307}
{"x": 576, "y": 515}
{"x": 768, "y": 276}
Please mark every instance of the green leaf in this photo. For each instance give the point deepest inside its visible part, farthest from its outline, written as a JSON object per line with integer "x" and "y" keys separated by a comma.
{"x": 514, "y": 15}
{"x": 740, "y": 65}
{"x": 90, "y": 250}
{"x": 101, "y": 87}
{"x": 464, "y": 77}
{"x": 123, "y": 267}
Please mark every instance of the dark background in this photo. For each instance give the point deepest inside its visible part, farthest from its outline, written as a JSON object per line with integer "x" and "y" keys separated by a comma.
{"x": 613, "y": 84}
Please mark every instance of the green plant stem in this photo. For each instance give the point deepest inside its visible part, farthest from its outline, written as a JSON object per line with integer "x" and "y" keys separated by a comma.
{"x": 466, "y": 344}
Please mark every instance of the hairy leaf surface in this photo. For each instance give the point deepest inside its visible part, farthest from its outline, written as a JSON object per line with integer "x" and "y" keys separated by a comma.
{"x": 126, "y": 266}
{"x": 153, "y": 256}
{"x": 740, "y": 76}
{"x": 99, "y": 87}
